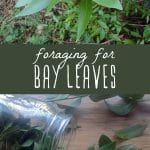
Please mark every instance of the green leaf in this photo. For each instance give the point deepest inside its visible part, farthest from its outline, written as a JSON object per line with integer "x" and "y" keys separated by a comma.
{"x": 105, "y": 143}
{"x": 51, "y": 4}
{"x": 102, "y": 34}
{"x": 33, "y": 7}
{"x": 76, "y": 102}
{"x": 121, "y": 109}
{"x": 104, "y": 140}
{"x": 110, "y": 3}
{"x": 21, "y": 3}
{"x": 135, "y": 34}
{"x": 36, "y": 39}
{"x": 27, "y": 143}
{"x": 115, "y": 37}
{"x": 111, "y": 146}
{"x": 85, "y": 11}
{"x": 128, "y": 41}
{"x": 146, "y": 33}
{"x": 131, "y": 131}
{"x": 103, "y": 24}
{"x": 128, "y": 147}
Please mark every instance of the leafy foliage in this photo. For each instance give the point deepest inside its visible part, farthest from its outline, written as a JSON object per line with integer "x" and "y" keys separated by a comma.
{"x": 105, "y": 143}
{"x": 104, "y": 140}
{"x": 131, "y": 131}
{"x": 19, "y": 134}
{"x": 107, "y": 26}
{"x": 121, "y": 109}
{"x": 85, "y": 9}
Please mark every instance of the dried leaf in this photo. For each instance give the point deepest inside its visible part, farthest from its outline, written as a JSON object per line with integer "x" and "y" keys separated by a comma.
{"x": 121, "y": 109}
{"x": 131, "y": 131}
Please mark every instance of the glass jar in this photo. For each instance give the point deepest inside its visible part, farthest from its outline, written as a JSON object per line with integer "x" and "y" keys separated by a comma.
{"x": 33, "y": 123}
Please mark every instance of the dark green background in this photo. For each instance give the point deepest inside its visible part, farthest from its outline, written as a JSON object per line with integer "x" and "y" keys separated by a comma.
{"x": 132, "y": 64}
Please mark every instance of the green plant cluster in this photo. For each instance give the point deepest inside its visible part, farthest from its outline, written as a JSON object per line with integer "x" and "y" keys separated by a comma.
{"x": 84, "y": 9}
{"x": 19, "y": 134}
{"x": 107, "y": 26}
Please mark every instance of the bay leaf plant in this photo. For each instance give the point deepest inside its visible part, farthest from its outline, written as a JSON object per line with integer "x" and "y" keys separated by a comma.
{"x": 84, "y": 8}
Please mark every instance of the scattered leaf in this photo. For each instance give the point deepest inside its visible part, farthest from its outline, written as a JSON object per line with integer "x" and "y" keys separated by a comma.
{"x": 131, "y": 131}
{"x": 128, "y": 147}
{"x": 111, "y": 146}
{"x": 121, "y": 109}
{"x": 104, "y": 140}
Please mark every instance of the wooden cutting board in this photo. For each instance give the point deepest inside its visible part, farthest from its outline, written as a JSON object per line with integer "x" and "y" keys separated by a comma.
{"x": 95, "y": 119}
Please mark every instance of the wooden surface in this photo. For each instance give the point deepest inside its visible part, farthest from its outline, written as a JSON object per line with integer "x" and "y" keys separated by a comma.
{"x": 95, "y": 119}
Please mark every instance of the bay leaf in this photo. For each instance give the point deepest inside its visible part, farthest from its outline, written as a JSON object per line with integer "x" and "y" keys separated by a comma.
{"x": 130, "y": 131}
